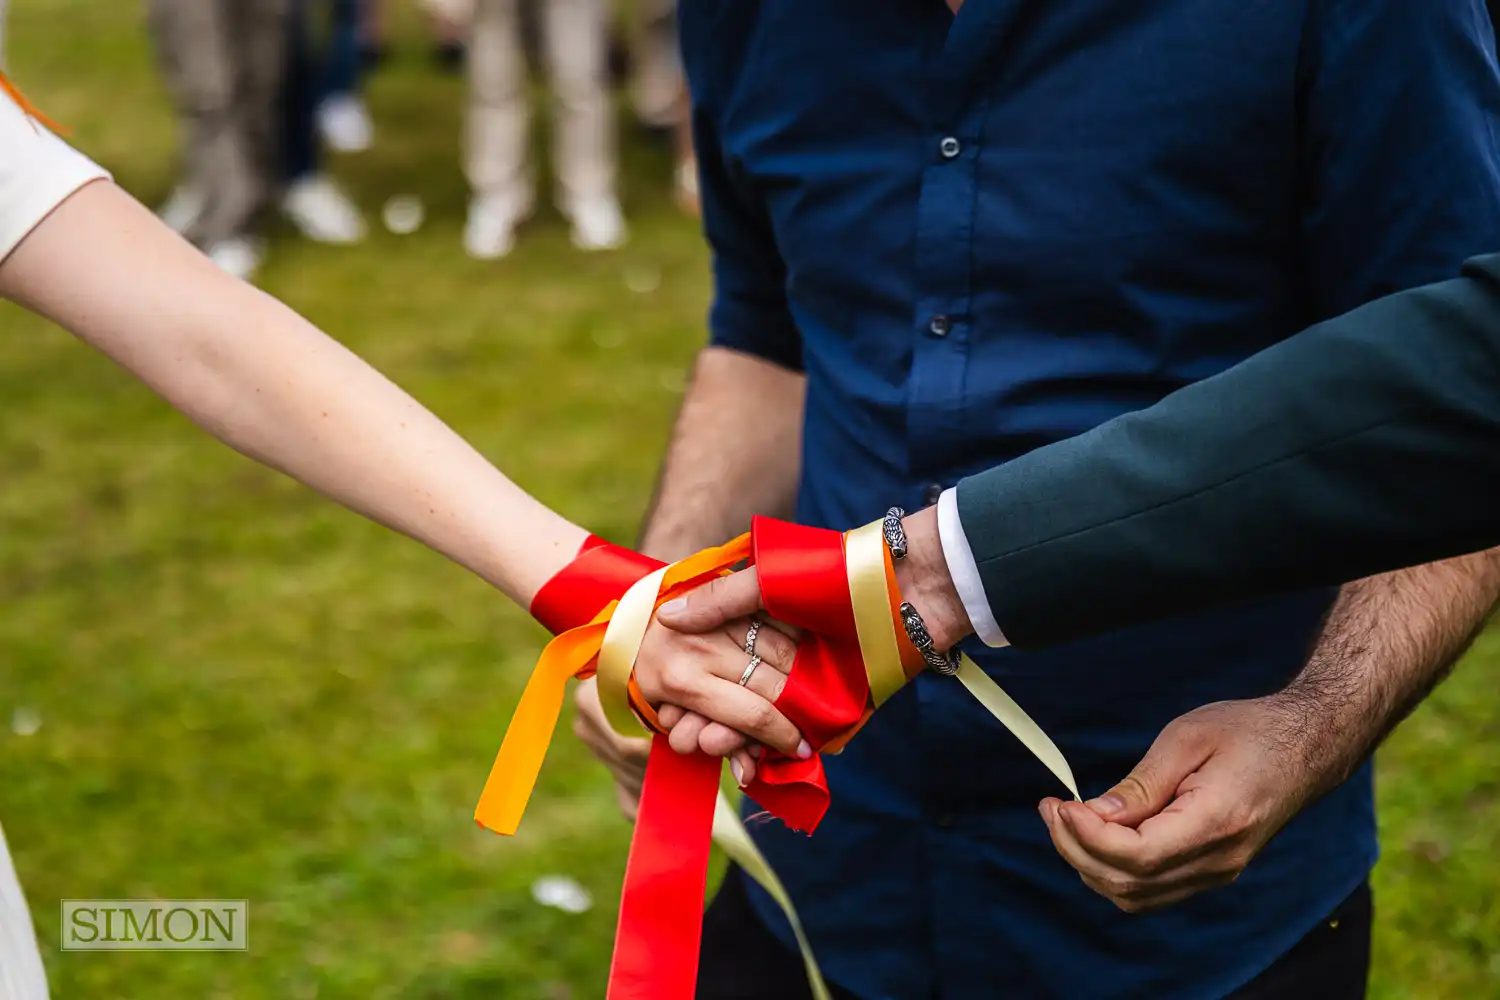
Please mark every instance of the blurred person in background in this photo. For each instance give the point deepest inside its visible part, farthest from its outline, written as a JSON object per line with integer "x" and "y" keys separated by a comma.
{"x": 224, "y": 65}
{"x": 372, "y": 33}
{"x": 343, "y": 117}
{"x": 319, "y": 92}
{"x": 449, "y": 22}
{"x": 574, "y": 39}
{"x": 659, "y": 93}
{"x": 81, "y": 252}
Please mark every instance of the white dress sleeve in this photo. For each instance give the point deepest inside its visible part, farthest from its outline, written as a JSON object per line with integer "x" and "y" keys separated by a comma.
{"x": 38, "y": 171}
{"x": 965, "y": 571}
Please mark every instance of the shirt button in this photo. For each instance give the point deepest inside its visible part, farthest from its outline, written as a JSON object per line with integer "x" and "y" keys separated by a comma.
{"x": 939, "y": 326}
{"x": 950, "y": 147}
{"x": 932, "y": 494}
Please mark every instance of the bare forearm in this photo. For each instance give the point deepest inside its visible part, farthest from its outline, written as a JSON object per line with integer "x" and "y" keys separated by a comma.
{"x": 267, "y": 383}
{"x": 1388, "y": 641}
{"x": 735, "y": 453}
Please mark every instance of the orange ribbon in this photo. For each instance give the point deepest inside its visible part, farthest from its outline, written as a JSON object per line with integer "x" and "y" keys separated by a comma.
{"x": 27, "y": 107}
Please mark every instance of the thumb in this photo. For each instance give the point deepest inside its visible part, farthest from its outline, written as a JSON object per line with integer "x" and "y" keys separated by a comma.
{"x": 722, "y": 600}
{"x": 1152, "y": 784}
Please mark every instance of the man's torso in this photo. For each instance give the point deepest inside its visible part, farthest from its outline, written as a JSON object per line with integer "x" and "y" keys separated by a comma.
{"x": 998, "y": 231}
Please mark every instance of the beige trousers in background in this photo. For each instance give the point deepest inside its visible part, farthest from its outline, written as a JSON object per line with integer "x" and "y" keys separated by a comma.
{"x": 224, "y": 62}
{"x": 21, "y": 974}
{"x": 658, "y": 92}
{"x": 574, "y": 34}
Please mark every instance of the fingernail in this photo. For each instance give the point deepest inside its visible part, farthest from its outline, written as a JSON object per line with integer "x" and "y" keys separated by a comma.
{"x": 1041, "y": 808}
{"x": 738, "y": 772}
{"x": 675, "y": 605}
{"x": 1105, "y": 805}
{"x": 757, "y": 750}
{"x": 803, "y": 750}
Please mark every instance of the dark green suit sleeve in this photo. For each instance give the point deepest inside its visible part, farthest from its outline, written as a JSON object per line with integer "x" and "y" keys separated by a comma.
{"x": 1364, "y": 444}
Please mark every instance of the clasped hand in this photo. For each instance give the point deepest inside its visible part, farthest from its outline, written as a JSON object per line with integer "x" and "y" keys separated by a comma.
{"x": 690, "y": 665}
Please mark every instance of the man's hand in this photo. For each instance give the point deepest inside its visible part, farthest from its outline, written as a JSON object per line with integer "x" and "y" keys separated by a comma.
{"x": 1220, "y": 781}
{"x": 625, "y": 758}
{"x": 1217, "y": 784}
{"x": 922, "y": 576}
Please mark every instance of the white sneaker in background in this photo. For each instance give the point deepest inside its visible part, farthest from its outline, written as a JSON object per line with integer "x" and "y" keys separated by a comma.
{"x": 597, "y": 224}
{"x": 183, "y": 208}
{"x": 345, "y": 123}
{"x": 490, "y": 230}
{"x": 239, "y": 256}
{"x": 321, "y": 211}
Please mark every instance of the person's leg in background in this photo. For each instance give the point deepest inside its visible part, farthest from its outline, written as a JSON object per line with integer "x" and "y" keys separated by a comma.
{"x": 659, "y": 93}
{"x": 656, "y": 86}
{"x": 299, "y": 97}
{"x": 310, "y": 199}
{"x": 343, "y": 119}
{"x": 496, "y": 131}
{"x": 22, "y": 976}
{"x": 575, "y": 37}
{"x": 221, "y": 193}
{"x": 451, "y": 22}
{"x": 372, "y": 35}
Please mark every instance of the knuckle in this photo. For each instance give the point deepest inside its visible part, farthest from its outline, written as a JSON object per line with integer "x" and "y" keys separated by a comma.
{"x": 677, "y": 678}
{"x": 1121, "y": 887}
{"x": 1137, "y": 784}
{"x": 1234, "y": 863}
{"x": 1240, "y": 819}
{"x": 783, "y": 650}
{"x": 763, "y": 716}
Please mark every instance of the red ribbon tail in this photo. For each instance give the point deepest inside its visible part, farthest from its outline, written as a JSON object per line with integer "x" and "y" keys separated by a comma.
{"x": 661, "y": 906}
{"x": 794, "y": 791}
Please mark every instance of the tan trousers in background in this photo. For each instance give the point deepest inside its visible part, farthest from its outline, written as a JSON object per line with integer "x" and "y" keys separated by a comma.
{"x": 21, "y": 974}
{"x": 574, "y": 34}
{"x": 658, "y": 92}
{"x": 224, "y": 62}
{"x": 453, "y": 11}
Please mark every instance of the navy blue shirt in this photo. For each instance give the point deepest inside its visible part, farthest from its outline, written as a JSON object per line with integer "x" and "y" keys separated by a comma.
{"x": 978, "y": 235}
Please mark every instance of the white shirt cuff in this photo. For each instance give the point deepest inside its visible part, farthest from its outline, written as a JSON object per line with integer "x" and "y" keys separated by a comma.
{"x": 965, "y": 571}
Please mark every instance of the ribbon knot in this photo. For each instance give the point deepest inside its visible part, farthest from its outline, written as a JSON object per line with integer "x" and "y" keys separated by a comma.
{"x": 841, "y": 589}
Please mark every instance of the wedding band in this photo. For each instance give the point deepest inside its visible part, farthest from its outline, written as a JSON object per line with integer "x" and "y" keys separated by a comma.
{"x": 751, "y": 635}
{"x": 755, "y": 661}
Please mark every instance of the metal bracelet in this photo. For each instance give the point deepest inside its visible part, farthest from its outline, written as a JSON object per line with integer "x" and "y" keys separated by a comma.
{"x": 947, "y": 663}
{"x": 895, "y": 534}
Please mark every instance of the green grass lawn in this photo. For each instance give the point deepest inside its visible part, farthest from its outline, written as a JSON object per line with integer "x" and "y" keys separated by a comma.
{"x": 245, "y": 692}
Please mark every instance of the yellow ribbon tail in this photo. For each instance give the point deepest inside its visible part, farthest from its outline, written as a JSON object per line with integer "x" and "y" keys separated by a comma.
{"x": 1004, "y": 708}
{"x": 513, "y": 776}
{"x": 734, "y": 840}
